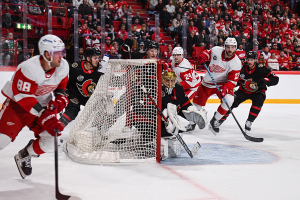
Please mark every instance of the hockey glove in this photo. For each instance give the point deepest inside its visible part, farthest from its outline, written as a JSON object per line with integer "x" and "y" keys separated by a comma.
{"x": 227, "y": 89}
{"x": 202, "y": 58}
{"x": 50, "y": 122}
{"x": 263, "y": 82}
{"x": 60, "y": 103}
{"x": 170, "y": 127}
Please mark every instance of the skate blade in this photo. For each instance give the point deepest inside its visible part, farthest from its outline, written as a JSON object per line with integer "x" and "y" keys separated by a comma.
{"x": 212, "y": 130}
{"x": 17, "y": 158}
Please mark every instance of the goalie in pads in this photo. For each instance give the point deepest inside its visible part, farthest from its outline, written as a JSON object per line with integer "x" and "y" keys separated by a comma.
{"x": 174, "y": 103}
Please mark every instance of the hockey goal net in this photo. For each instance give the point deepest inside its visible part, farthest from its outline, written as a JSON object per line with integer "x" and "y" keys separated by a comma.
{"x": 119, "y": 124}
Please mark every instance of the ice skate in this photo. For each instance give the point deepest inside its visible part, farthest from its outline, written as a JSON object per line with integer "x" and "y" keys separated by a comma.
{"x": 23, "y": 161}
{"x": 214, "y": 125}
{"x": 248, "y": 125}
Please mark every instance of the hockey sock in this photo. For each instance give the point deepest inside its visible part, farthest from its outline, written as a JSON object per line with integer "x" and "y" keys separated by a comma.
{"x": 30, "y": 149}
{"x": 254, "y": 111}
{"x": 224, "y": 117}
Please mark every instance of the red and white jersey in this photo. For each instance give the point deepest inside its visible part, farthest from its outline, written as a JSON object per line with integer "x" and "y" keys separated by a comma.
{"x": 223, "y": 70}
{"x": 241, "y": 54}
{"x": 186, "y": 76}
{"x": 30, "y": 84}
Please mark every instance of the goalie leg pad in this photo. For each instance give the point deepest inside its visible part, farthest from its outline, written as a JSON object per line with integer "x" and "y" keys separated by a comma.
{"x": 173, "y": 116}
{"x": 198, "y": 117}
{"x": 163, "y": 149}
{"x": 174, "y": 148}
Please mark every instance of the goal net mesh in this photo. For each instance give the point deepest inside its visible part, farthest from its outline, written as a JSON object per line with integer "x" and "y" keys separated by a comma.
{"x": 119, "y": 123}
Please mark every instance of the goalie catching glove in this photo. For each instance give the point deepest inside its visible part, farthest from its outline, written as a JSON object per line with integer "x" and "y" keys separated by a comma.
{"x": 199, "y": 117}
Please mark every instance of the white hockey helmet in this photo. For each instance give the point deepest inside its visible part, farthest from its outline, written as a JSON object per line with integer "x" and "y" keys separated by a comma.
{"x": 177, "y": 50}
{"x": 230, "y": 41}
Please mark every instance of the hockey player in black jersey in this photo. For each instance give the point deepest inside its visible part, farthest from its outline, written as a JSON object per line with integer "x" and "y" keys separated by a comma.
{"x": 253, "y": 81}
{"x": 173, "y": 97}
{"x": 83, "y": 78}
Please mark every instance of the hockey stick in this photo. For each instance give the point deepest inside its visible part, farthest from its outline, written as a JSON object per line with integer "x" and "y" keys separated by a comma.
{"x": 58, "y": 195}
{"x": 248, "y": 137}
{"x": 195, "y": 148}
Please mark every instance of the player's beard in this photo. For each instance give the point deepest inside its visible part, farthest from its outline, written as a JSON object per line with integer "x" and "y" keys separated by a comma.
{"x": 229, "y": 55}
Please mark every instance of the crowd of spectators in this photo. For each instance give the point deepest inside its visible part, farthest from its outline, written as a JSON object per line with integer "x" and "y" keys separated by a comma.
{"x": 278, "y": 27}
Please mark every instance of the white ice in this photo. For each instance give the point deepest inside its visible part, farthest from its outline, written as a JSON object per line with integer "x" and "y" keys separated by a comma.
{"x": 227, "y": 166}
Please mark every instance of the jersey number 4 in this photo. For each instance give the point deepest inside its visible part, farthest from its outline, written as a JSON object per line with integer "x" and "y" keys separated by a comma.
{"x": 23, "y": 86}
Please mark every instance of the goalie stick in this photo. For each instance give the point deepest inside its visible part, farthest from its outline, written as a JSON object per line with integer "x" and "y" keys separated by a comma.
{"x": 248, "y": 137}
{"x": 195, "y": 148}
{"x": 58, "y": 195}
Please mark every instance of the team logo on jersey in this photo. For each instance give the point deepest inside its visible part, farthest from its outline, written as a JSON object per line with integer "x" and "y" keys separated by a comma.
{"x": 74, "y": 65}
{"x": 80, "y": 78}
{"x": 216, "y": 68}
{"x": 163, "y": 94}
{"x": 45, "y": 89}
{"x": 87, "y": 88}
{"x": 260, "y": 65}
{"x": 215, "y": 57}
{"x": 74, "y": 101}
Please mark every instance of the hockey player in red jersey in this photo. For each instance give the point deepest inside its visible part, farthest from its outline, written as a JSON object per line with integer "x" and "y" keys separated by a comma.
{"x": 225, "y": 67}
{"x": 183, "y": 69}
{"x": 253, "y": 82}
{"x": 29, "y": 101}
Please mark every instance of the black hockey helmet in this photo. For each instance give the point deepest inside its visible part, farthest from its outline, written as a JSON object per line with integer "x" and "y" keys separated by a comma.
{"x": 152, "y": 45}
{"x": 91, "y": 51}
{"x": 251, "y": 54}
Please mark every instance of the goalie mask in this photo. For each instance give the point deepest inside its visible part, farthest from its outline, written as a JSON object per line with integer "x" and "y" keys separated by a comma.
{"x": 169, "y": 80}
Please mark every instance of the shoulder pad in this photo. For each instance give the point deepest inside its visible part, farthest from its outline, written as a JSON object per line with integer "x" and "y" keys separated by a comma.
{"x": 74, "y": 65}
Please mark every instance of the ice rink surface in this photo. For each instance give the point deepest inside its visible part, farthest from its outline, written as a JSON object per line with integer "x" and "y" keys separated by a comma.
{"x": 227, "y": 166}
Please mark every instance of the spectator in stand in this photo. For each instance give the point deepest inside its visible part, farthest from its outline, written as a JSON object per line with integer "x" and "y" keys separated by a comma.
{"x": 159, "y": 7}
{"x": 192, "y": 27}
{"x": 96, "y": 16}
{"x": 81, "y": 54}
{"x": 234, "y": 31}
{"x": 289, "y": 45}
{"x": 136, "y": 23}
{"x": 275, "y": 50}
{"x": 266, "y": 53}
{"x": 165, "y": 18}
{"x": 203, "y": 27}
{"x": 176, "y": 24}
{"x": 266, "y": 41}
{"x": 34, "y": 8}
{"x": 161, "y": 38}
{"x": 273, "y": 63}
{"x": 10, "y": 43}
{"x": 241, "y": 36}
{"x": 203, "y": 39}
{"x": 120, "y": 39}
{"x": 192, "y": 41}
{"x": 143, "y": 39}
{"x": 124, "y": 22}
{"x": 7, "y": 13}
{"x": 62, "y": 9}
{"x": 241, "y": 53}
{"x": 167, "y": 53}
{"x": 130, "y": 12}
{"x": 149, "y": 29}
{"x": 113, "y": 54}
{"x": 134, "y": 33}
{"x": 171, "y": 8}
{"x": 30, "y": 54}
{"x": 117, "y": 46}
{"x": 70, "y": 9}
{"x": 250, "y": 4}
{"x": 137, "y": 16}
{"x": 90, "y": 23}
{"x": 261, "y": 59}
{"x": 123, "y": 32}
{"x": 296, "y": 38}
{"x": 121, "y": 13}
{"x": 84, "y": 9}
{"x": 152, "y": 4}
{"x": 84, "y": 34}
{"x": 107, "y": 44}
{"x": 277, "y": 6}
{"x": 245, "y": 45}
{"x": 295, "y": 55}
{"x": 119, "y": 4}
{"x": 283, "y": 62}
{"x": 287, "y": 10}
{"x": 93, "y": 41}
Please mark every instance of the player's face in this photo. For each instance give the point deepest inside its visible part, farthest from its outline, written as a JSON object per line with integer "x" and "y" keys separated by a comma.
{"x": 229, "y": 50}
{"x": 95, "y": 60}
{"x": 177, "y": 58}
{"x": 169, "y": 83}
{"x": 251, "y": 62}
{"x": 152, "y": 53}
{"x": 57, "y": 56}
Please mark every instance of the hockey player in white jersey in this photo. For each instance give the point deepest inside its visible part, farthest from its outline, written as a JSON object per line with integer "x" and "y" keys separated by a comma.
{"x": 29, "y": 101}
{"x": 225, "y": 67}
{"x": 186, "y": 76}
